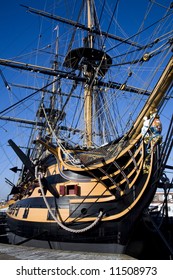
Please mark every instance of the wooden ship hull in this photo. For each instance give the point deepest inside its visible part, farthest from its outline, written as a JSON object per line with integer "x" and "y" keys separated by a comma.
{"x": 94, "y": 205}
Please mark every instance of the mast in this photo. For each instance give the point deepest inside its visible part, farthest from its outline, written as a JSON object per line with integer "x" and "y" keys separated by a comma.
{"x": 55, "y": 67}
{"x": 53, "y": 98}
{"x": 88, "y": 89}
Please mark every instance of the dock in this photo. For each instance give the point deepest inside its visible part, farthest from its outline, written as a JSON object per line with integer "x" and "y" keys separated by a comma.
{"x": 19, "y": 252}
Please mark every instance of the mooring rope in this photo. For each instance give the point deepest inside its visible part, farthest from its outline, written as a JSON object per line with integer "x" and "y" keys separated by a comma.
{"x": 39, "y": 175}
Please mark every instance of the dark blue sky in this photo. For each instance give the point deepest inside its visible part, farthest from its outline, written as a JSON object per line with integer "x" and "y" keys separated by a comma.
{"x": 19, "y": 35}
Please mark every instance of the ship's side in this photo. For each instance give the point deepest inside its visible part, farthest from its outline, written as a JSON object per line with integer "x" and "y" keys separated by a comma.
{"x": 91, "y": 206}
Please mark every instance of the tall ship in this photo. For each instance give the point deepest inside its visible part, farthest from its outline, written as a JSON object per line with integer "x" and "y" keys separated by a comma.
{"x": 99, "y": 127}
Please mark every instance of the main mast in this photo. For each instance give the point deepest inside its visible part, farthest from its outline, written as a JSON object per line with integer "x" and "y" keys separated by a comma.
{"x": 95, "y": 63}
{"x": 88, "y": 88}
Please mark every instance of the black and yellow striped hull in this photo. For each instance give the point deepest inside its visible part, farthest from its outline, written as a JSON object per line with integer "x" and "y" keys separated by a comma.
{"x": 120, "y": 188}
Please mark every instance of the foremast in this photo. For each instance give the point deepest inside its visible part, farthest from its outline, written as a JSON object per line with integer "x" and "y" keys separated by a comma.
{"x": 96, "y": 63}
{"x": 88, "y": 112}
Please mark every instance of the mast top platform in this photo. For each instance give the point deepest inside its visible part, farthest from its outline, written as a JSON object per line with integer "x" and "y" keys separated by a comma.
{"x": 92, "y": 58}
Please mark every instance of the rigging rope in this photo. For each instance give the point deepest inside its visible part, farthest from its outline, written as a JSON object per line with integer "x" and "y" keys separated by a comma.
{"x": 154, "y": 23}
{"x": 59, "y": 143}
{"x": 27, "y": 97}
{"x": 115, "y": 8}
